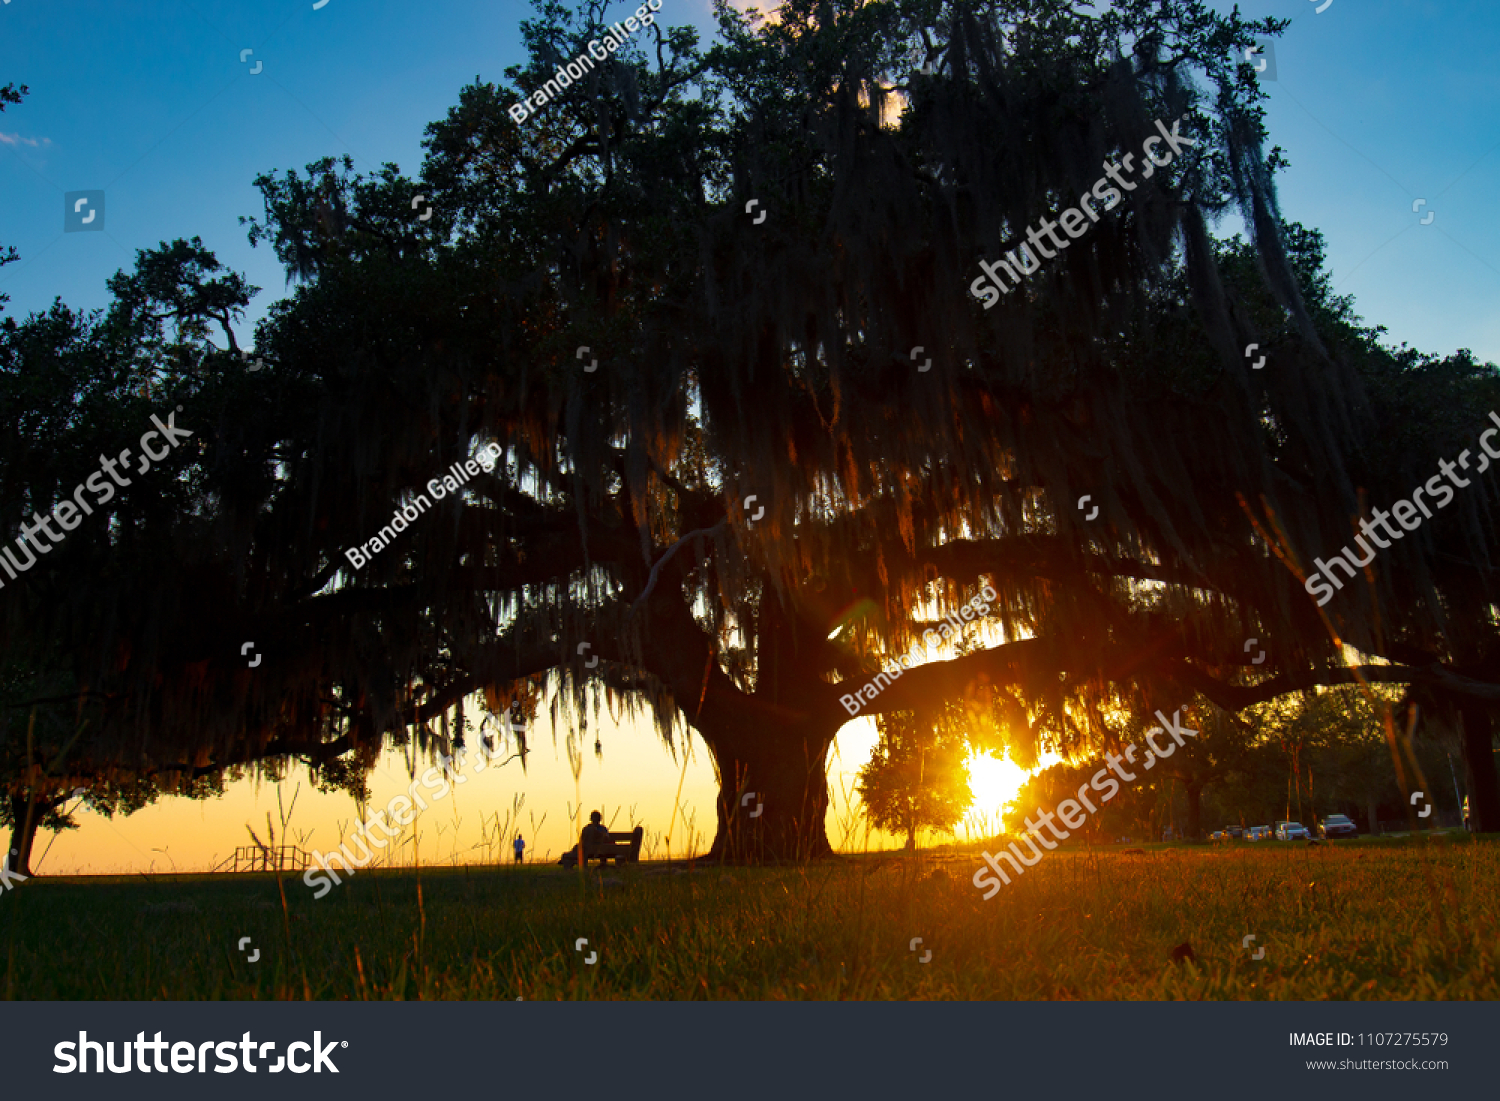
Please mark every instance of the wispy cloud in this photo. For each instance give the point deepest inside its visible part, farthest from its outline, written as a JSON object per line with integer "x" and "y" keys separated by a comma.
{"x": 17, "y": 139}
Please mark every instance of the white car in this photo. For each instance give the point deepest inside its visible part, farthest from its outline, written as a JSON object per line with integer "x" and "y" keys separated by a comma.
{"x": 1337, "y": 825}
{"x": 1292, "y": 831}
{"x": 1258, "y": 833}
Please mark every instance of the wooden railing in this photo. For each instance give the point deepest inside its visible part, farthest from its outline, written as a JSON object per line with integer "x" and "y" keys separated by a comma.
{"x": 258, "y": 858}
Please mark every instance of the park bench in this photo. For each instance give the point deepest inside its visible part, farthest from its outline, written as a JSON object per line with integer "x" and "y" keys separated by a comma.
{"x": 621, "y": 847}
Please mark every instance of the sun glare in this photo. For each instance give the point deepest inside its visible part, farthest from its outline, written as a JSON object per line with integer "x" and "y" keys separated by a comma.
{"x": 994, "y": 783}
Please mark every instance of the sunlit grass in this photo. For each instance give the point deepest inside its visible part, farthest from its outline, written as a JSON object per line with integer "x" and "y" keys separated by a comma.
{"x": 1352, "y": 920}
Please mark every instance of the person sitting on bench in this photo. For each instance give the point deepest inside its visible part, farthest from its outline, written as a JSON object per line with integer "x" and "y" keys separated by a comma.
{"x": 595, "y": 835}
{"x": 597, "y": 843}
{"x": 593, "y": 842}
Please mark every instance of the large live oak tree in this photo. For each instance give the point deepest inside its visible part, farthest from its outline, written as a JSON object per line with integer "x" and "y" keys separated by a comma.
{"x": 892, "y": 146}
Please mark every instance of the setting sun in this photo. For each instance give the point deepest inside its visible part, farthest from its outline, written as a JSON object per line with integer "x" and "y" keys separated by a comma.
{"x": 994, "y": 783}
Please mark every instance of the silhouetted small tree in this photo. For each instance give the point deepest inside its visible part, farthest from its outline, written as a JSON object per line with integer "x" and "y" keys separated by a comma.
{"x": 916, "y": 777}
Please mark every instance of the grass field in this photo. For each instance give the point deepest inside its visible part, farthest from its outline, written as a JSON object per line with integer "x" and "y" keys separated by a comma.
{"x": 1367, "y": 919}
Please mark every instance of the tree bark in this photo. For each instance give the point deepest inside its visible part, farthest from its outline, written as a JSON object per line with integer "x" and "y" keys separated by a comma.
{"x": 773, "y": 743}
{"x": 770, "y": 743}
{"x": 26, "y": 814}
{"x": 773, "y": 791}
{"x": 1479, "y": 764}
{"x": 1194, "y": 790}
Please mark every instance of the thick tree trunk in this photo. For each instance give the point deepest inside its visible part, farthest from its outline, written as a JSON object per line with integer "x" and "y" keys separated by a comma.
{"x": 773, "y": 792}
{"x": 1479, "y": 764}
{"x": 26, "y": 813}
{"x": 770, "y": 745}
{"x": 1194, "y": 791}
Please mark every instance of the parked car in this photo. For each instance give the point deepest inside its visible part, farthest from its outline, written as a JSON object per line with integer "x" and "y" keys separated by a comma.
{"x": 1292, "y": 831}
{"x": 1336, "y": 825}
{"x": 1257, "y": 833}
{"x": 1235, "y": 831}
{"x": 1219, "y": 835}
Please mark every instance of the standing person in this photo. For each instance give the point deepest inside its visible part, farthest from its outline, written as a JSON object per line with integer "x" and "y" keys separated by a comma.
{"x": 520, "y": 847}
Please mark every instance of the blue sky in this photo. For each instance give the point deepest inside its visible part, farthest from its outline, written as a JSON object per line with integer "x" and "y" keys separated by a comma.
{"x": 1378, "y": 103}
{"x": 151, "y": 102}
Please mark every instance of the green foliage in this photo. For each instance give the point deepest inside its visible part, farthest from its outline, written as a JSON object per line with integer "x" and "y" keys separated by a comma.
{"x": 339, "y": 774}
{"x": 178, "y": 284}
{"x": 1300, "y": 756}
{"x": 917, "y": 778}
{"x": 9, "y": 93}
